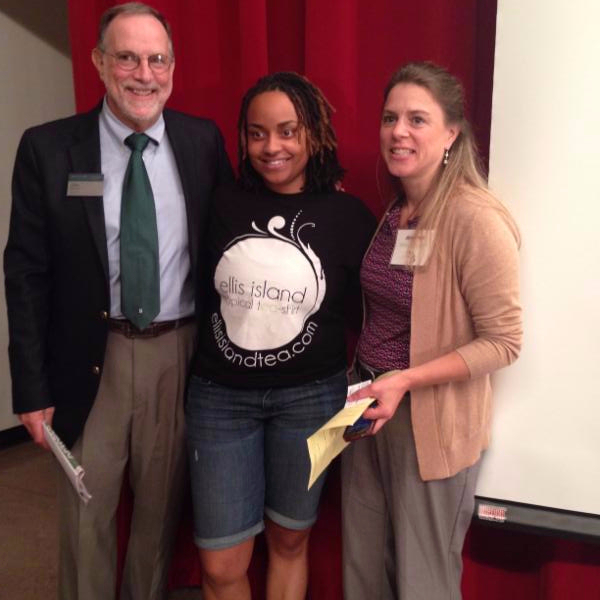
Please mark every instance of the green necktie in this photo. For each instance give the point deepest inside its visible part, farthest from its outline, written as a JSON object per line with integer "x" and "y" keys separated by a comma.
{"x": 140, "y": 284}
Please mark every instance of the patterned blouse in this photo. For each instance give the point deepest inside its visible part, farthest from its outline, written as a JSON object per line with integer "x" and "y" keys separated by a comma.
{"x": 384, "y": 343}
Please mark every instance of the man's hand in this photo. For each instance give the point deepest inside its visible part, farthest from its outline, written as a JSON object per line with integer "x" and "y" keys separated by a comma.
{"x": 33, "y": 422}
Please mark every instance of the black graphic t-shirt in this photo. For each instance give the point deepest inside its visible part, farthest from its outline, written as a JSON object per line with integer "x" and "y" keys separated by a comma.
{"x": 282, "y": 269}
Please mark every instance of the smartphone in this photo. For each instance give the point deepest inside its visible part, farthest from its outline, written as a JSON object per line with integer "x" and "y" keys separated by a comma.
{"x": 360, "y": 429}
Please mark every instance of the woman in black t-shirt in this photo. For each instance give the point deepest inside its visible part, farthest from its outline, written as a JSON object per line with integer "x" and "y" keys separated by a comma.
{"x": 285, "y": 248}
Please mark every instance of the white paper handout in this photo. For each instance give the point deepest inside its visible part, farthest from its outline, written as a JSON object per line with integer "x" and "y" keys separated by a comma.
{"x": 71, "y": 467}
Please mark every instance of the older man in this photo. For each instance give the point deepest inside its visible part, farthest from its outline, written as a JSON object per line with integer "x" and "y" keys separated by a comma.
{"x": 102, "y": 267}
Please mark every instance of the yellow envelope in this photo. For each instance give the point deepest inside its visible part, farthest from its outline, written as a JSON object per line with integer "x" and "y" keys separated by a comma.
{"x": 326, "y": 443}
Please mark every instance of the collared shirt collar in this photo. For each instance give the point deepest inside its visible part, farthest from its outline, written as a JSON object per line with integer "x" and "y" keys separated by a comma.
{"x": 119, "y": 131}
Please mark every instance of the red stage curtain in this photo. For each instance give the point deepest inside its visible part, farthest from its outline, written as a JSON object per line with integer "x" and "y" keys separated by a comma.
{"x": 349, "y": 48}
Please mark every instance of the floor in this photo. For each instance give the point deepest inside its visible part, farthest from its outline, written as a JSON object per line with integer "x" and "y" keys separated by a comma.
{"x": 28, "y": 526}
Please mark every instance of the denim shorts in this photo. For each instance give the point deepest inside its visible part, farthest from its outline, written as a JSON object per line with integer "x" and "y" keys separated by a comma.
{"x": 249, "y": 457}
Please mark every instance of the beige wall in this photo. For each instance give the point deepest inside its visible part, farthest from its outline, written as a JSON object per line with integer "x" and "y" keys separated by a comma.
{"x": 37, "y": 86}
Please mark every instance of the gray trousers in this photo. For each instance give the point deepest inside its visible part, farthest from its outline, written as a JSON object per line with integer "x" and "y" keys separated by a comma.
{"x": 136, "y": 421}
{"x": 402, "y": 536}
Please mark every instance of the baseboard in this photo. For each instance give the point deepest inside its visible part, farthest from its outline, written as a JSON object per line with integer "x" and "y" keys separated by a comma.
{"x": 12, "y": 436}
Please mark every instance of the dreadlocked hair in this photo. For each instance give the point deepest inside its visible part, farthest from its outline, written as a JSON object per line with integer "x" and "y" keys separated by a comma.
{"x": 323, "y": 171}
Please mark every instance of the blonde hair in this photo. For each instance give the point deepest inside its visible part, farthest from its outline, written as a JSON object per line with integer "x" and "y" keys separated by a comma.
{"x": 463, "y": 173}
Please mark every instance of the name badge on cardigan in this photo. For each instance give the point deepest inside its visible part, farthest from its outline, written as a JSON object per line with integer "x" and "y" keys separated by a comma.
{"x": 85, "y": 184}
{"x": 409, "y": 253}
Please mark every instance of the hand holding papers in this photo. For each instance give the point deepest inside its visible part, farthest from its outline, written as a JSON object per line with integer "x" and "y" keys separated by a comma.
{"x": 67, "y": 461}
{"x": 326, "y": 443}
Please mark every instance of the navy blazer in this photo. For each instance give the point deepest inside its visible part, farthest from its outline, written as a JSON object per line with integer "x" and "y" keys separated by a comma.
{"x": 56, "y": 263}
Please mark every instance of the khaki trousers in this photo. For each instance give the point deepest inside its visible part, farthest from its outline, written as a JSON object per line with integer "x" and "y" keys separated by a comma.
{"x": 136, "y": 422}
{"x": 402, "y": 536}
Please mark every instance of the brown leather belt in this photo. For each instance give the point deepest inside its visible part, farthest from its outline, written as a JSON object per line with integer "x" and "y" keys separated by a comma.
{"x": 129, "y": 330}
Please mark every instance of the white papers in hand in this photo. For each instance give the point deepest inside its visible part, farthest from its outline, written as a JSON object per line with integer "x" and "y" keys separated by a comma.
{"x": 71, "y": 467}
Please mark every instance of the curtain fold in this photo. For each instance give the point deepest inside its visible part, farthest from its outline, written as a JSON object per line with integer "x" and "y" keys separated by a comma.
{"x": 349, "y": 48}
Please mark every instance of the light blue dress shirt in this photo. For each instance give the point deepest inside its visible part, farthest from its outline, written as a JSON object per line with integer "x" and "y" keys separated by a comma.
{"x": 176, "y": 289}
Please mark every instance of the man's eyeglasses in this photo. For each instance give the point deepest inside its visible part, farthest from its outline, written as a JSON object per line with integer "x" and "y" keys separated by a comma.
{"x": 129, "y": 61}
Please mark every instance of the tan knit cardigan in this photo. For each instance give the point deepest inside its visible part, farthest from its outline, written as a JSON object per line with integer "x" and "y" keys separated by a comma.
{"x": 466, "y": 299}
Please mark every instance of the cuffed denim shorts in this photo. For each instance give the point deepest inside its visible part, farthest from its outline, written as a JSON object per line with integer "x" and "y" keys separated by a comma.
{"x": 249, "y": 457}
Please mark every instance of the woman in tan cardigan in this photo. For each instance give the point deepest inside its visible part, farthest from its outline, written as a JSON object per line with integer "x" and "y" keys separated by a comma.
{"x": 442, "y": 313}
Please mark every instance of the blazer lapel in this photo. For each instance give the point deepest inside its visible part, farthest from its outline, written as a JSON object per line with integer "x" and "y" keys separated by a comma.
{"x": 186, "y": 163}
{"x": 85, "y": 158}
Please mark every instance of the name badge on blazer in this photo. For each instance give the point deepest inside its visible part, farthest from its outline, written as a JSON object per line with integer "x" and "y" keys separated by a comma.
{"x": 85, "y": 184}
{"x": 409, "y": 254}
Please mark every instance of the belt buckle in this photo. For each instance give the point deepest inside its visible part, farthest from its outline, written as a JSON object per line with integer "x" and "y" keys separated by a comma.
{"x": 129, "y": 330}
